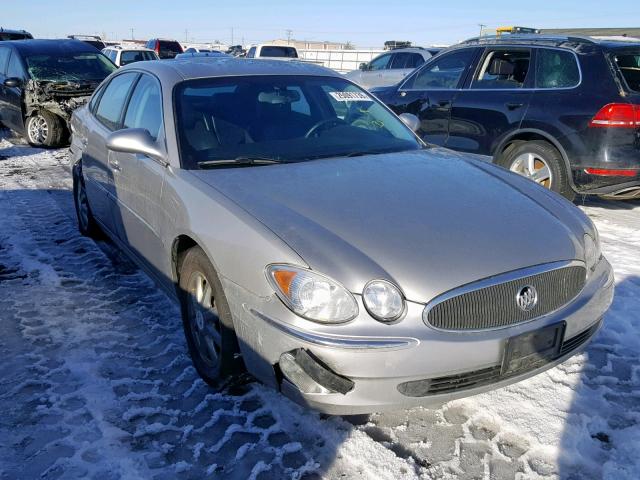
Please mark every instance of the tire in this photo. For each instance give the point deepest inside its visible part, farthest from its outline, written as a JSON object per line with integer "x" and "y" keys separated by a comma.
{"x": 541, "y": 162}
{"x": 45, "y": 129}
{"x": 86, "y": 221}
{"x": 207, "y": 322}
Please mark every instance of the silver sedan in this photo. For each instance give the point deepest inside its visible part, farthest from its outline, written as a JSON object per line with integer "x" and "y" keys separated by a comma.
{"x": 312, "y": 239}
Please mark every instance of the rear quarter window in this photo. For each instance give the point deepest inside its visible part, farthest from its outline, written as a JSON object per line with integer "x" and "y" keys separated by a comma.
{"x": 629, "y": 65}
{"x": 556, "y": 69}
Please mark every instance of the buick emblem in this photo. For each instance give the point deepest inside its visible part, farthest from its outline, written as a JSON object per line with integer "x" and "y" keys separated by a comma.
{"x": 527, "y": 298}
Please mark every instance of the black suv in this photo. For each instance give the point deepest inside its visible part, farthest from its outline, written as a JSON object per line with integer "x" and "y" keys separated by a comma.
{"x": 563, "y": 111}
{"x": 43, "y": 81}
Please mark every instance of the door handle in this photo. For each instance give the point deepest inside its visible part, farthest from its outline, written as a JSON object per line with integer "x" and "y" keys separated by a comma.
{"x": 514, "y": 105}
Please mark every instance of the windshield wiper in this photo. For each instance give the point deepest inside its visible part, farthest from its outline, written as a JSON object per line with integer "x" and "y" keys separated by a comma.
{"x": 243, "y": 161}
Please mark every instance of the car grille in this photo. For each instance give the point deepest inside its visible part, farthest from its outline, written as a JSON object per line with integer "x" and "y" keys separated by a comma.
{"x": 487, "y": 376}
{"x": 495, "y": 306}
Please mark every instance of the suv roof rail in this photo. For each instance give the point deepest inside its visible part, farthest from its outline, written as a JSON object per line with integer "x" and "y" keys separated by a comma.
{"x": 531, "y": 37}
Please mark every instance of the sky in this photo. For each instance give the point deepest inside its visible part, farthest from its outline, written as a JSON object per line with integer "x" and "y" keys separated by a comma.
{"x": 364, "y": 24}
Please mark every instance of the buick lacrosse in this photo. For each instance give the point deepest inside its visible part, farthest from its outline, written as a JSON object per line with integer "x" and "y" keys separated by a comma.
{"x": 312, "y": 239}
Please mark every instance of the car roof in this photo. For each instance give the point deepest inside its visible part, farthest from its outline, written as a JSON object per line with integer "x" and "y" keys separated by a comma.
{"x": 203, "y": 67}
{"x": 53, "y": 46}
{"x": 407, "y": 49}
{"x": 567, "y": 41}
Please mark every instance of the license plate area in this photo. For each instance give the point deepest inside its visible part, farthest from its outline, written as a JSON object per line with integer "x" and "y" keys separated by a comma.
{"x": 531, "y": 350}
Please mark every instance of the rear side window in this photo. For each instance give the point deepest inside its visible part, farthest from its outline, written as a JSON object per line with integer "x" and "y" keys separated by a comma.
{"x": 414, "y": 60}
{"x": 168, "y": 46}
{"x": 556, "y": 69}
{"x": 145, "y": 107}
{"x": 502, "y": 69}
{"x": 380, "y": 63}
{"x": 112, "y": 100}
{"x": 130, "y": 56}
{"x": 442, "y": 73}
{"x": 274, "y": 51}
{"x": 629, "y": 65}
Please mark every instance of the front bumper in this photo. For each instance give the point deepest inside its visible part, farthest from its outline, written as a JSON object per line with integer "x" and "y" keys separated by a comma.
{"x": 378, "y": 357}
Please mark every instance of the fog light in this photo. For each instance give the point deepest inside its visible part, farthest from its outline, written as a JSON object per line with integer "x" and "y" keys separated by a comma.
{"x": 296, "y": 375}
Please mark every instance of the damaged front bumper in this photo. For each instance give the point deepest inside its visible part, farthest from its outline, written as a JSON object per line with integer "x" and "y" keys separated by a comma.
{"x": 366, "y": 366}
{"x": 61, "y": 98}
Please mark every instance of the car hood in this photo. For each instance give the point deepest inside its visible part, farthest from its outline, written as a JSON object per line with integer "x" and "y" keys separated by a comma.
{"x": 428, "y": 220}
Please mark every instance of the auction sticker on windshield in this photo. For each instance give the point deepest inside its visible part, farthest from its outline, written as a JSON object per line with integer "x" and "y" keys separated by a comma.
{"x": 350, "y": 96}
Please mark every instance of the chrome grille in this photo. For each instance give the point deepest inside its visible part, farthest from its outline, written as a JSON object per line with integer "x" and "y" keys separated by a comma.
{"x": 495, "y": 305}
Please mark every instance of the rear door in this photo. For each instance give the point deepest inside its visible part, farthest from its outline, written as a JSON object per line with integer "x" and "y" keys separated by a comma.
{"x": 139, "y": 180}
{"x": 494, "y": 102}
{"x": 430, "y": 91}
{"x": 376, "y": 69}
{"x": 99, "y": 164}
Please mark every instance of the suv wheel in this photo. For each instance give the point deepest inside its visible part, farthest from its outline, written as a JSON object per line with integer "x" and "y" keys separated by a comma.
{"x": 44, "y": 129}
{"x": 541, "y": 162}
{"x": 207, "y": 321}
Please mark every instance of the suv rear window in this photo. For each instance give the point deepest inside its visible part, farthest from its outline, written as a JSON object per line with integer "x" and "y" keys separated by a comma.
{"x": 556, "y": 69}
{"x": 271, "y": 51}
{"x": 629, "y": 65}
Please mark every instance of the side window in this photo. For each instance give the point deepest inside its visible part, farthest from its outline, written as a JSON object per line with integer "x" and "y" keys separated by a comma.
{"x": 414, "y": 60}
{"x": 400, "y": 60}
{"x": 15, "y": 68}
{"x": 4, "y": 58}
{"x": 251, "y": 53}
{"x": 556, "y": 69}
{"x": 95, "y": 98}
{"x": 145, "y": 107}
{"x": 503, "y": 69}
{"x": 443, "y": 73}
{"x": 112, "y": 100}
{"x": 300, "y": 105}
{"x": 380, "y": 63}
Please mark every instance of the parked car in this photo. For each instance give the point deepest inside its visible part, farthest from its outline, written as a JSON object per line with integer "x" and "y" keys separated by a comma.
{"x": 237, "y": 51}
{"x": 283, "y": 52}
{"x": 562, "y": 111}
{"x": 93, "y": 40}
{"x": 390, "y": 67}
{"x": 6, "y": 34}
{"x": 211, "y": 53}
{"x": 164, "y": 48}
{"x": 122, "y": 55}
{"x": 197, "y": 50}
{"x": 43, "y": 81}
{"x": 310, "y": 236}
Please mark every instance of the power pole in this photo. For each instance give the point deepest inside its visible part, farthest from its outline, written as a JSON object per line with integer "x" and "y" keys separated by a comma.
{"x": 132, "y": 34}
{"x": 481, "y": 25}
{"x": 289, "y": 32}
{"x": 186, "y": 36}
{"x": 231, "y": 35}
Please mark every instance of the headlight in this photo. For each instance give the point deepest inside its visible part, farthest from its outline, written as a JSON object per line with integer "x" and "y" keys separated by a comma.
{"x": 312, "y": 295}
{"x": 383, "y": 300}
{"x": 592, "y": 252}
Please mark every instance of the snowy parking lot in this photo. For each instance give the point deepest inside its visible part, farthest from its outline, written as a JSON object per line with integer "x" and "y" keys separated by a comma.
{"x": 95, "y": 380}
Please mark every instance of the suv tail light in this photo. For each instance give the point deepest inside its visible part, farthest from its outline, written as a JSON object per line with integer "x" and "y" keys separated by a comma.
{"x": 617, "y": 115}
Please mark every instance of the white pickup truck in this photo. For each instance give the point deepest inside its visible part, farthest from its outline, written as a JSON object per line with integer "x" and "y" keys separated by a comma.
{"x": 279, "y": 52}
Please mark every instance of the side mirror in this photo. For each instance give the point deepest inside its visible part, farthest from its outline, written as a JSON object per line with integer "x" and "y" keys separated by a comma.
{"x": 364, "y": 67}
{"x": 136, "y": 140}
{"x": 411, "y": 121}
{"x": 13, "y": 82}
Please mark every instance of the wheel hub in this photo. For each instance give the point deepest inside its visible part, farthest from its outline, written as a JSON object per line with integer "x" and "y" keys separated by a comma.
{"x": 533, "y": 167}
{"x": 38, "y": 129}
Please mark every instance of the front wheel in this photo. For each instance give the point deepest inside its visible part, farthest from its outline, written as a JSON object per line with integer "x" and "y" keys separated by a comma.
{"x": 44, "y": 129}
{"x": 541, "y": 162}
{"x": 207, "y": 321}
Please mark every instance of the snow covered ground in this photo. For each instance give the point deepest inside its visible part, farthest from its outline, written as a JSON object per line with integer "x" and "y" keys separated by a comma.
{"x": 95, "y": 381}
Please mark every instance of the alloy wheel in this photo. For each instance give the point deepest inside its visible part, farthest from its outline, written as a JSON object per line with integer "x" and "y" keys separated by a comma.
{"x": 533, "y": 167}
{"x": 38, "y": 129}
{"x": 204, "y": 321}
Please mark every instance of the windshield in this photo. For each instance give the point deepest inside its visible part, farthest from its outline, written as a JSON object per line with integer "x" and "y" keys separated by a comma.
{"x": 69, "y": 67}
{"x": 284, "y": 118}
{"x": 629, "y": 65}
